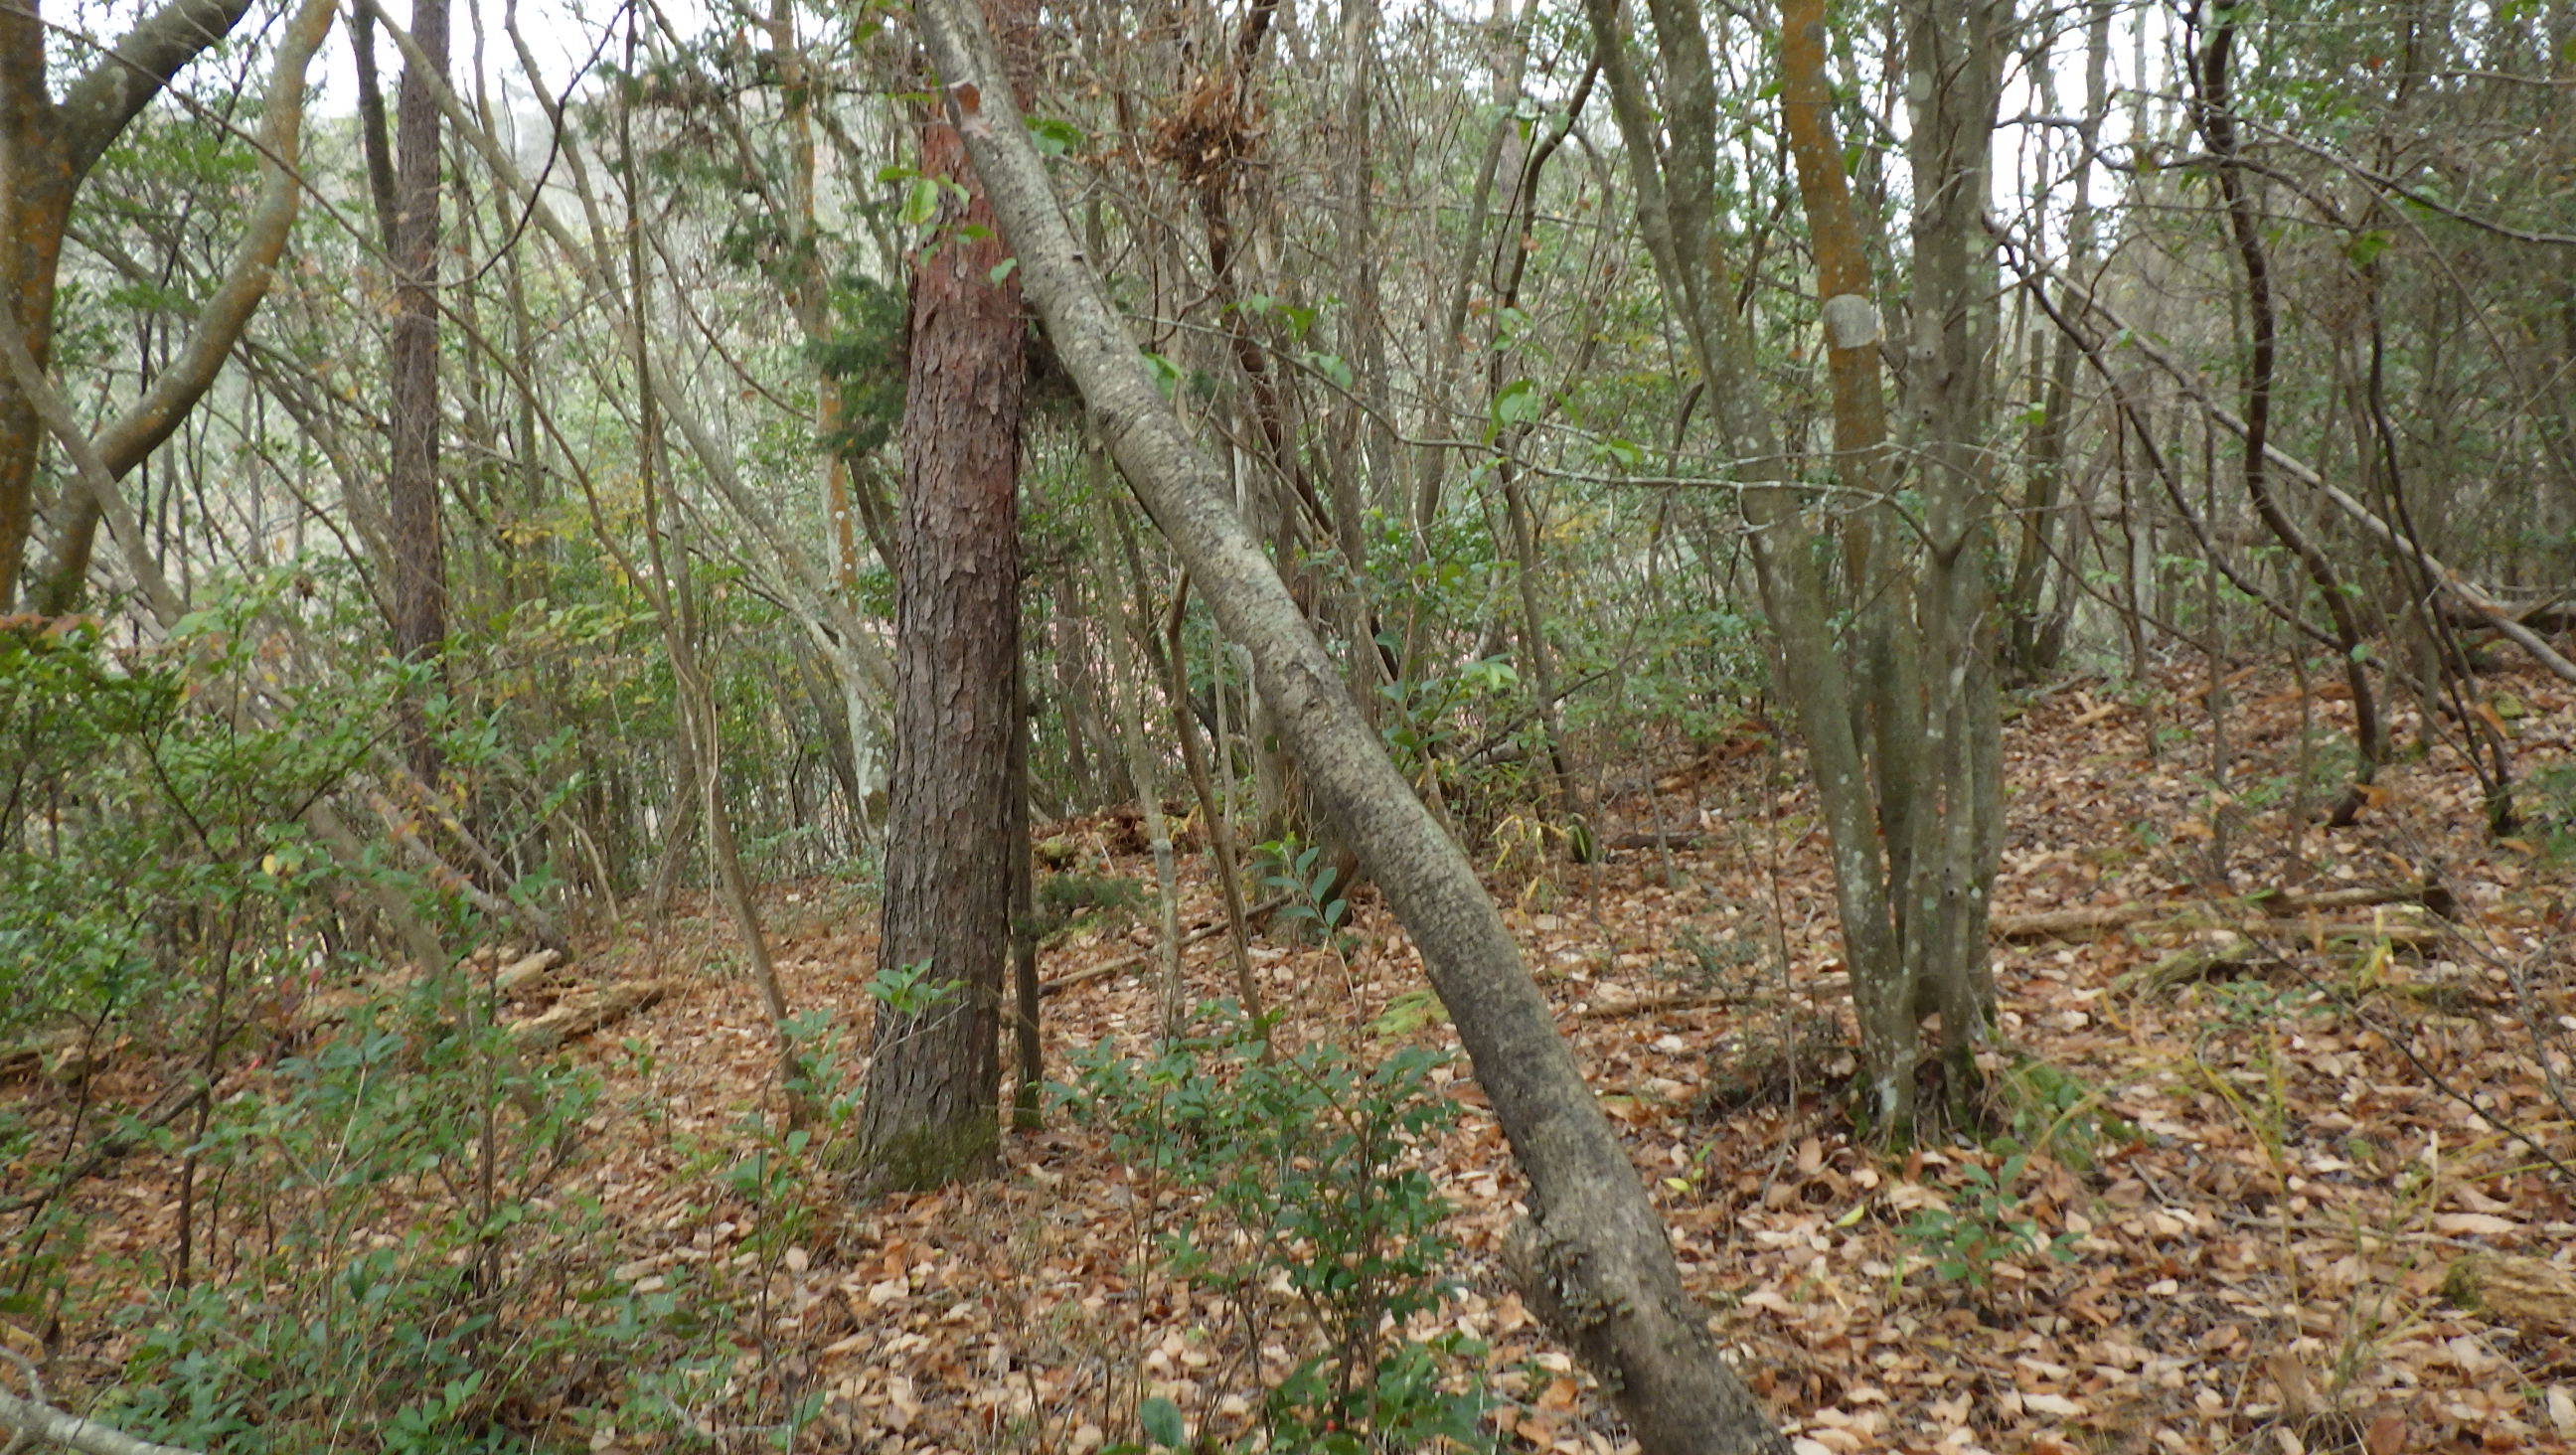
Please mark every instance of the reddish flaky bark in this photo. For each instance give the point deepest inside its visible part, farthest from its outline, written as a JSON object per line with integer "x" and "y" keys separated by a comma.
{"x": 934, "y": 1085}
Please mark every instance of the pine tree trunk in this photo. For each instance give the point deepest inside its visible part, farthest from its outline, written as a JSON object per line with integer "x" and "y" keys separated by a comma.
{"x": 1592, "y": 1257}
{"x": 934, "y": 1085}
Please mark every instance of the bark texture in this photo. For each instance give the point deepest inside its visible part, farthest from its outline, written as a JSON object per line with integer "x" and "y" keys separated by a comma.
{"x": 1594, "y": 1257}
{"x": 420, "y": 563}
{"x": 934, "y": 1085}
{"x": 188, "y": 373}
{"x": 1881, "y": 643}
{"x": 47, "y": 150}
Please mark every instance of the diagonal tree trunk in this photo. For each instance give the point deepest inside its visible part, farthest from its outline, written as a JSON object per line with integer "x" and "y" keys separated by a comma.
{"x": 186, "y": 375}
{"x": 1591, "y": 1257}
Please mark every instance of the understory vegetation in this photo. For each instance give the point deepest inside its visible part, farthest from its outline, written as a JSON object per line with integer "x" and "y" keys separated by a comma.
{"x": 649, "y": 802}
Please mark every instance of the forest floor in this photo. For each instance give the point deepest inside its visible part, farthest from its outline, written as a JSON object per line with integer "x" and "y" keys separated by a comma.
{"x": 2305, "y": 1168}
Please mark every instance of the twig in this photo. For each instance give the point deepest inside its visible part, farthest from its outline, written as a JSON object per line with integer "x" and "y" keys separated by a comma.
{"x": 109, "y": 1146}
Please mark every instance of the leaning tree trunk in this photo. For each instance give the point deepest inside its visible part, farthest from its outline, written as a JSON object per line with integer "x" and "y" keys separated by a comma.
{"x": 1591, "y": 1257}
{"x": 934, "y": 1084}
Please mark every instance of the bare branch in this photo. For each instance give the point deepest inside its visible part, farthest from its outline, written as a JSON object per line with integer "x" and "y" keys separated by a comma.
{"x": 59, "y": 1427}
{"x": 115, "y": 89}
{"x": 220, "y": 322}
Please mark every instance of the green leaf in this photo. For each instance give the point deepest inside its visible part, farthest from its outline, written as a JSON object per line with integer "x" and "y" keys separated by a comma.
{"x": 1407, "y": 1013}
{"x": 920, "y": 201}
{"x": 1002, "y": 270}
{"x": 1331, "y": 367}
{"x": 1053, "y": 135}
{"x": 1518, "y": 403}
{"x": 1162, "y": 1421}
{"x": 2366, "y": 246}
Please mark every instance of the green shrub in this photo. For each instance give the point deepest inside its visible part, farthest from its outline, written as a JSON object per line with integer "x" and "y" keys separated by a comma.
{"x": 1064, "y": 901}
{"x": 2548, "y": 801}
{"x": 1312, "y": 1218}
{"x": 1982, "y": 1225}
{"x": 396, "y": 1258}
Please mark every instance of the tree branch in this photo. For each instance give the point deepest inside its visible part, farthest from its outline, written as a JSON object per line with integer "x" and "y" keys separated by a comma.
{"x": 220, "y": 321}
{"x": 2476, "y": 600}
{"x": 121, "y": 83}
{"x": 59, "y": 1427}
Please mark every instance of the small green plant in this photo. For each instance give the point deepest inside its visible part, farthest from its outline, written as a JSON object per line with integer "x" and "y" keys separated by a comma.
{"x": 822, "y": 1079}
{"x": 2548, "y": 801}
{"x": 1071, "y": 899}
{"x": 1295, "y": 871}
{"x": 908, "y": 990}
{"x": 1407, "y": 1013}
{"x": 1312, "y": 1219}
{"x": 1298, "y": 876}
{"x": 1982, "y": 1226}
{"x": 308, "y": 1315}
{"x": 1730, "y": 966}
{"x": 2259, "y": 1011}
{"x": 2044, "y": 1108}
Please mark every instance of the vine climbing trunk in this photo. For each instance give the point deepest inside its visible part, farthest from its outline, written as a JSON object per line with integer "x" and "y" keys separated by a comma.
{"x": 2213, "y": 109}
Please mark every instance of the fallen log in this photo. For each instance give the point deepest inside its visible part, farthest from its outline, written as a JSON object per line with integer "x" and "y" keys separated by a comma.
{"x": 2232, "y": 955}
{"x": 2083, "y": 924}
{"x": 572, "y": 1020}
{"x": 1648, "y": 1004}
{"x": 527, "y": 970}
{"x": 2531, "y": 1294}
{"x": 1120, "y": 966}
{"x": 51, "y": 1426}
{"x": 1667, "y": 841}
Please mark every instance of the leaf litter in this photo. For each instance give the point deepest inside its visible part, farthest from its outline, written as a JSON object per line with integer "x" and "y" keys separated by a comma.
{"x": 2305, "y": 1191}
